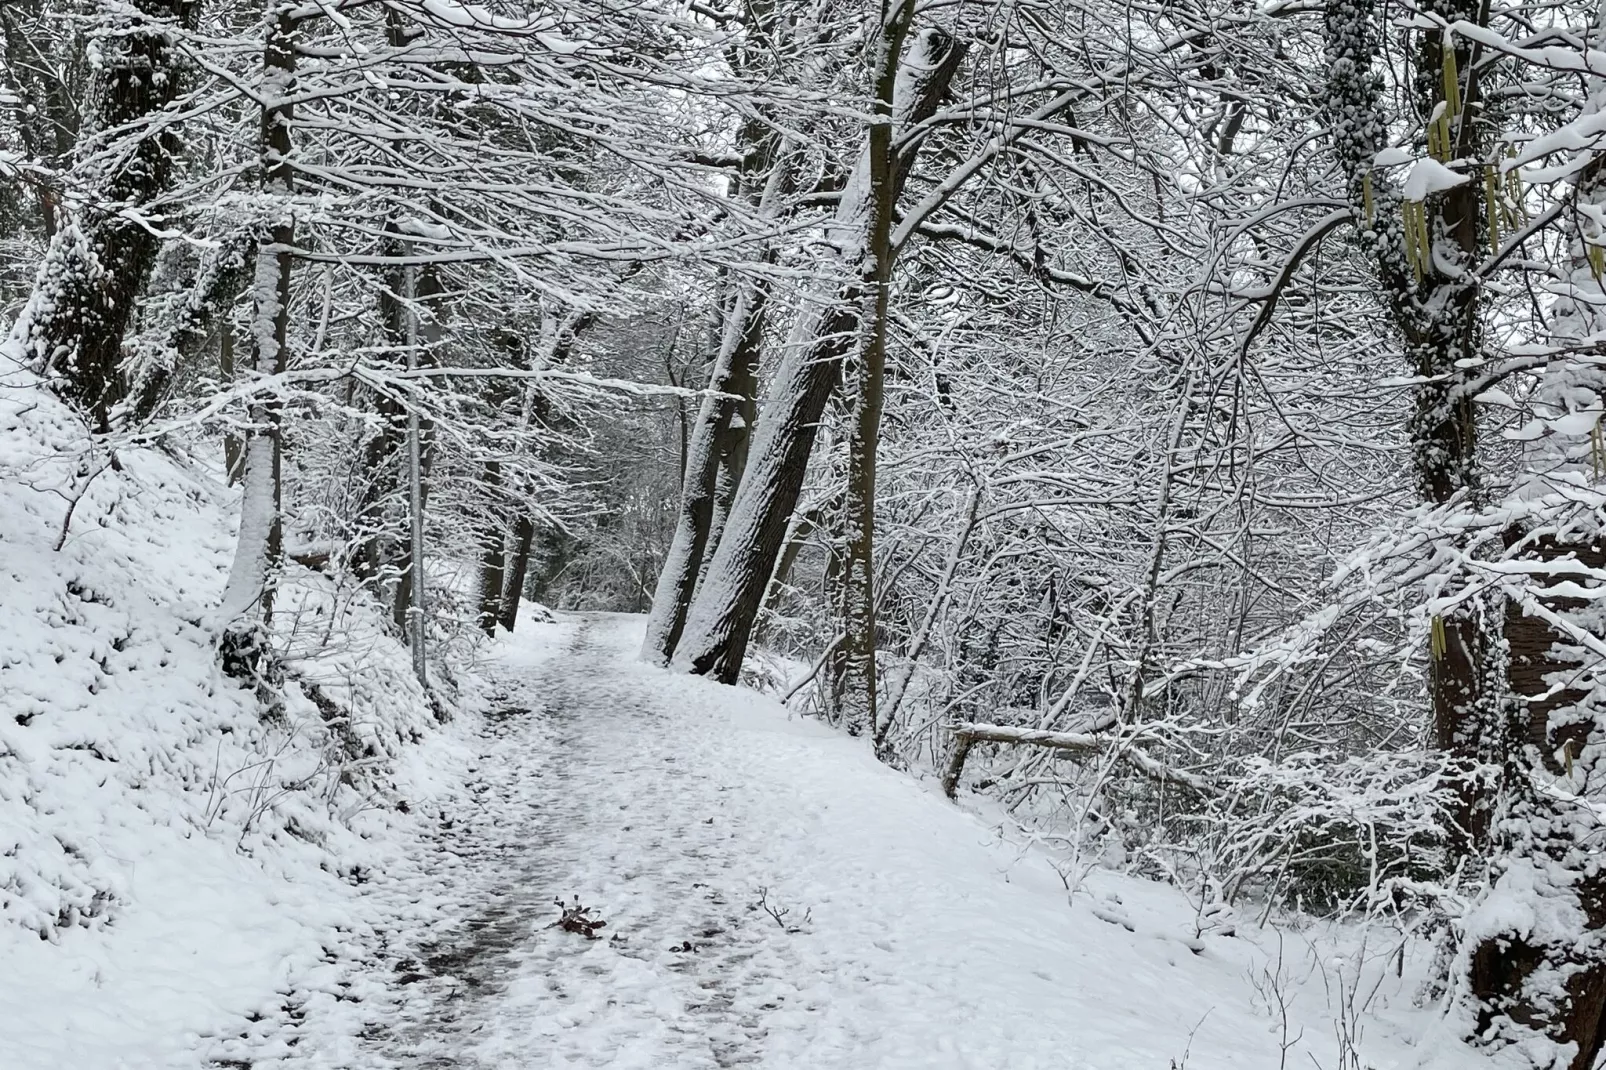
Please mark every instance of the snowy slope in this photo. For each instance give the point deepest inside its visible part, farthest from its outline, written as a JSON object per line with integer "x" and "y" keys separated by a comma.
{"x": 906, "y": 932}
{"x": 170, "y": 864}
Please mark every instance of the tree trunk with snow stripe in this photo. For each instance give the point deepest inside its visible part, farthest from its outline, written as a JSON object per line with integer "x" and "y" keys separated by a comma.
{"x": 248, "y": 595}
{"x": 721, "y": 617}
{"x": 717, "y": 451}
{"x": 707, "y": 462}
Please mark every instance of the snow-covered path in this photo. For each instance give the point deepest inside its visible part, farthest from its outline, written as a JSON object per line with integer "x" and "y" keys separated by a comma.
{"x": 775, "y": 898}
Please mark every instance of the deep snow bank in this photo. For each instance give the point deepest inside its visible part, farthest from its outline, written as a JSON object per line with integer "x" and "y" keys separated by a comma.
{"x": 170, "y": 862}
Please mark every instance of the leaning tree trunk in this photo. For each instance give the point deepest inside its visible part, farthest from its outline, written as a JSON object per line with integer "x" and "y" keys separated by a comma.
{"x": 736, "y": 434}
{"x": 248, "y": 595}
{"x": 518, "y": 566}
{"x": 715, "y": 454}
{"x": 730, "y": 381}
{"x": 721, "y": 616}
{"x": 99, "y": 259}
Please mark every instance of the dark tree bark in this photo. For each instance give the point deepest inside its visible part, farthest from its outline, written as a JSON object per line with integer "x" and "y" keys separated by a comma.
{"x": 1556, "y": 735}
{"x": 233, "y": 444}
{"x": 96, "y": 266}
{"x": 855, "y": 666}
{"x": 1426, "y": 253}
{"x": 1517, "y": 699}
{"x": 1554, "y": 728}
{"x": 428, "y": 294}
{"x": 518, "y": 566}
{"x": 493, "y": 559}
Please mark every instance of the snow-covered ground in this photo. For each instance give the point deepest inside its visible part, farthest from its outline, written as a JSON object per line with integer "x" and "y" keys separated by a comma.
{"x": 774, "y": 897}
{"x": 183, "y": 885}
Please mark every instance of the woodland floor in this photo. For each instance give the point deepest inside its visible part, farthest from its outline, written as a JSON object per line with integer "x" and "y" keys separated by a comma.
{"x": 774, "y": 898}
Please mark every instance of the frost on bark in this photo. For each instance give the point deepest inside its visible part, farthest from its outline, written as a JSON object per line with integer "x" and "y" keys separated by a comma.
{"x": 248, "y": 595}
{"x": 99, "y": 258}
{"x": 1426, "y": 252}
{"x": 721, "y": 616}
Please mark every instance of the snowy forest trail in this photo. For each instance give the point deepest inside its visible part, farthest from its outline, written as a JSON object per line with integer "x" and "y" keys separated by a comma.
{"x": 773, "y": 898}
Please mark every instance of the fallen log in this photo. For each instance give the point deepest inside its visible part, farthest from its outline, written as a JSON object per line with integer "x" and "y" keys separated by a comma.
{"x": 967, "y": 734}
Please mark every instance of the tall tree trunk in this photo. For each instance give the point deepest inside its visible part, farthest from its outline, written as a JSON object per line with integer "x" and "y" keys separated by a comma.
{"x": 377, "y": 554}
{"x": 492, "y": 558}
{"x": 248, "y": 595}
{"x": 684, "y": 563}
{"x": 721, "y": 616}
{"x": 1427, "y": 253}
{"x": 1549, "y": 977}
{"x": 427, "y": 335}
{"x": 98, "y": 262}
{"x": 736, "y": 435}
{"x": 856, "y": 690}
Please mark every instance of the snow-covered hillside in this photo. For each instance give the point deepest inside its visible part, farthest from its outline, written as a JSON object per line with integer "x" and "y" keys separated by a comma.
{"x": 171, "y": 861}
